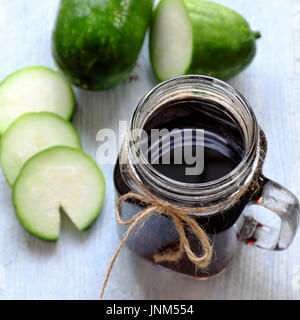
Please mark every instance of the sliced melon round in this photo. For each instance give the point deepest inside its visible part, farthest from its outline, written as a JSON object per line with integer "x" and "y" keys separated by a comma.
{"x": 30, "y": 134}
{"x": 34, "y": 89}
{"x": 56, "y": 180}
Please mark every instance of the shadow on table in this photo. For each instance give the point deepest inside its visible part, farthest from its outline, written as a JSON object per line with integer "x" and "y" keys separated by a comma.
{"x": 153, "y": 282}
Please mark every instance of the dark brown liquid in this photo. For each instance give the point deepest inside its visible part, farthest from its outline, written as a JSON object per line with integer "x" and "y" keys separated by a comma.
{"x": 223, "y": 150}
{"x": 223, "y": 144}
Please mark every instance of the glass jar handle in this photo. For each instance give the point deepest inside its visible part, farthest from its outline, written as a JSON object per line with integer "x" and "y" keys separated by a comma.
{"x": 285, "y": 205}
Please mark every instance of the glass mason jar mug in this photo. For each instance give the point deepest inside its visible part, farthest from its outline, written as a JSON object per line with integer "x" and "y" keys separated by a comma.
{"x": 197, "y": 116}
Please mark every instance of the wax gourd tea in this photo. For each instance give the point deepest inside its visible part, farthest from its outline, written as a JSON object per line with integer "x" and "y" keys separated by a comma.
{"x": 193, "y": 157}
{"x": 223, "y": 145}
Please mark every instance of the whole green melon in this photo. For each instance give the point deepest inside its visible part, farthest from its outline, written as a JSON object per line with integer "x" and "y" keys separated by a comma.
{"x": 96, "y": 42}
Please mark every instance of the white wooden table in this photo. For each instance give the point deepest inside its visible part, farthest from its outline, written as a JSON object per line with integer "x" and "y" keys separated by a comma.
{"x": 75, "y": 266}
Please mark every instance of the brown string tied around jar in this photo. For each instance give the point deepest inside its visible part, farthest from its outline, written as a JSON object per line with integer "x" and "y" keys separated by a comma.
{"x": 178, "y": 215}
{"x": 157, "y": 206}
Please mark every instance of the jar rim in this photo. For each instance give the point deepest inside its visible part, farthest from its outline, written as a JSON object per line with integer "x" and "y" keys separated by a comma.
{"x": 222, "y": 185}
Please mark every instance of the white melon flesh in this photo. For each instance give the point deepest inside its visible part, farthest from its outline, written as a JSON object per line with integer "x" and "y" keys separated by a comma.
{"x": 59, "y": 179}
{"x": 34, "y": 89}
{"x": 30, "y": 134}
{"x": 171, "y": 40}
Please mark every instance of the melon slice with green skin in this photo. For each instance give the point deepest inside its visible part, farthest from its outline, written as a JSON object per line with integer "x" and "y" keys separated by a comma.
{"x": 199, "y": 37}
{"x": 34, "y": 89}
{"x": 58, "y": 179}
{"x": 30, "y": 134}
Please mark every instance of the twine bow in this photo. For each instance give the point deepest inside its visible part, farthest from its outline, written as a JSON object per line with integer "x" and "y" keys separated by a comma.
{"x": 157, "y": 206}
{"x": 178, "y": 215}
